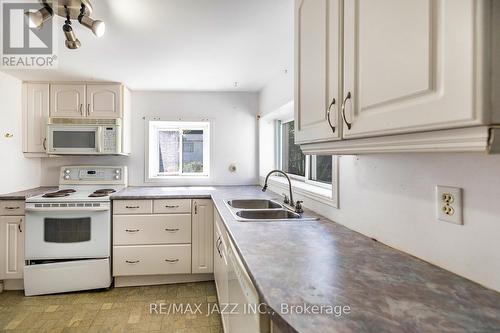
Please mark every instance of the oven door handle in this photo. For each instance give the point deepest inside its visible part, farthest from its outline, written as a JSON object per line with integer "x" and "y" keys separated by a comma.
{"x": 68, "y": 209}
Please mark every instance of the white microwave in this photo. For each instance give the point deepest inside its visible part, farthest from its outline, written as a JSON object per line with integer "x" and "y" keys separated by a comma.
{"x": 84, "y": 136}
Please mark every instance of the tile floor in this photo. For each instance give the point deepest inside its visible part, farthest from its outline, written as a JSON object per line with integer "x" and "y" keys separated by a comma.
{"x": 114, "y": 310}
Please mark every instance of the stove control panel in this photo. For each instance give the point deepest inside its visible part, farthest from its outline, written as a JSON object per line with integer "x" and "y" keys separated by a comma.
{"x": 80, "y": 175}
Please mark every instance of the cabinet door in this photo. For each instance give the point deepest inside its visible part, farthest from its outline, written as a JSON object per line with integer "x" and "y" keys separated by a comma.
{"x": 318, "y": 70}
{"x": 202, "y": 241}
{"x": 410, "y": 66}
{"x": 12, "y": 247}
{"x": 104, "y": 101}
{"x": 67, "y": 100}
{"x": 36, "y": 113}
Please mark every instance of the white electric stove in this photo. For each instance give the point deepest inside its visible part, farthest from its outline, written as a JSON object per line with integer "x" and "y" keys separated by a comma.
{"x": 68, "y": 231}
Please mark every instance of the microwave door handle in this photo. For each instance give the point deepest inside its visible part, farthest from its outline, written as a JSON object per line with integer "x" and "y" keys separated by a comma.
{"x": 48, "y": 134}
{"x": 99, "y": 139}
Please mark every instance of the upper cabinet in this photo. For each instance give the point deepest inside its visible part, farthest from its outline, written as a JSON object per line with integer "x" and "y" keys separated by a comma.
{"x": 35, "y": 117}
{"x": 318, "y": 65}
{"x": 103, "y": 101}
{"x": 410, "y": 66}
{"x": 67, "y": 101}
{"x": 407, "y": 67}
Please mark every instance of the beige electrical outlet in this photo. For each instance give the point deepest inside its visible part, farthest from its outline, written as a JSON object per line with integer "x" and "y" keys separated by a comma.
{"x": 449, "y": 204}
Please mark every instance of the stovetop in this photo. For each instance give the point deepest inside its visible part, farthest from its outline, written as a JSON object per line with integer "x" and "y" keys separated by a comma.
{"x": 80, "y": 194}
{"x": 85, "y": 184}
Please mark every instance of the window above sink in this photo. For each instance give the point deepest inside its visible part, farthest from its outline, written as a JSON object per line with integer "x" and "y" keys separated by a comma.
{"x": 313, "y": 176}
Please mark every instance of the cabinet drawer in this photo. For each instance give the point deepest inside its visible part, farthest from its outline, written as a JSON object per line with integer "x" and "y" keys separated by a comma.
{"x": 151, "y": 260}
{"x": 132, "y": 207}
{"x": 172, "y": 206}
{"x": 151, "y": 229}
{"x": 9, "y": 207}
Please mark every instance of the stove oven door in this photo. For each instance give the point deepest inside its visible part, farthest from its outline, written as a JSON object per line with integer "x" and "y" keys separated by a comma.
{"x": 68, "y": 232}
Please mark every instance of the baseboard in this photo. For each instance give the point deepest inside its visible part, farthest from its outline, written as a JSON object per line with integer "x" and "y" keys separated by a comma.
{"x": 13, "y": 284}
{"x": 149, "y": 280}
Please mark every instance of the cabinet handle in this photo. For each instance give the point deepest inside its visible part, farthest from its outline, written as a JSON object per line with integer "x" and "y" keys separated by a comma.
{"x": 81, "y": 109}
{"x": 132, "y": 261}
{"x": 88, "y": 110}
{"x": 219, "y": 243}
{"x": 349, "y": 125}
{"x": 132, "y": 230}
{"x": 19, "y": 225}
{"x": 12, "y": 208}
{"x": 172, "y": 261}
{"x": 176, "y": 206}
{"x": 44, "y": 144}
{"x": 171, "y": 230}
{"x": 132, "y": 207}
{"x": 328, "y": 114}
{"x": 195, "y": 209}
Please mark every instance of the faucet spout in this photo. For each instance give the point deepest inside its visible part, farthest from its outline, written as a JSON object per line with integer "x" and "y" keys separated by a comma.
{"x": 264, "y": 188}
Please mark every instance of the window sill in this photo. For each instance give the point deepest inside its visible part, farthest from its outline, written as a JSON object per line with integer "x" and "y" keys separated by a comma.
{"x": 318, "y": 193}
{"x": 166, "y": 179}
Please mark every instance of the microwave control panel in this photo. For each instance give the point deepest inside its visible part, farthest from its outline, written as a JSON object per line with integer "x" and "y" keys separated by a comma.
{"x": 109, "y": 140}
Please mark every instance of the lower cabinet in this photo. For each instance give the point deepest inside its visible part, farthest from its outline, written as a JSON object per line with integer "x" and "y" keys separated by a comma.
{"x": 203, "y": 230}
{"x": 163, "y": 237}
{"x": 12, "y": 247}
{"x": 152, "y": 260}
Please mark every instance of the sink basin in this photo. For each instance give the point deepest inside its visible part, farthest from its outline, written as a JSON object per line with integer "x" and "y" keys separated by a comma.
{"x": 276, "y": 214}
{"x": 254, "y": 204}
{"x": 262, "y": 210}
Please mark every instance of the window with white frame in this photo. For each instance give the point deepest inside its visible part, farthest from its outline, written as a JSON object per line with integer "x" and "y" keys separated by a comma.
{"x": 178, "y": 149}
{"x": 313, "y": 169}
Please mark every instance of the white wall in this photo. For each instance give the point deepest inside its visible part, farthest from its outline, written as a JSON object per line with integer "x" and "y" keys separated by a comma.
{"x": 277, "y": 93}
{"x": 17, "y": 173}
{"x": 234, "y": 136}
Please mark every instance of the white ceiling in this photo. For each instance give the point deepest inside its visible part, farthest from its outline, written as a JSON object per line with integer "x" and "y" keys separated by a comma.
{"x": 201, "y": 45}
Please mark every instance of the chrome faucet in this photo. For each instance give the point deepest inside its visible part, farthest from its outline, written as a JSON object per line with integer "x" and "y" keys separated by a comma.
{"x": 298, "y": 207}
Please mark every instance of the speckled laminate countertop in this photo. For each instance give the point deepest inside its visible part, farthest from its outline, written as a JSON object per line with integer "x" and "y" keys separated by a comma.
{"x": 324, "y": 263}
{"x": 23, "y": 195}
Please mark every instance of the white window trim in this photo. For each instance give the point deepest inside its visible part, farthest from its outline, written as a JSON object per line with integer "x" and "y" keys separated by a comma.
{"x": 207, "y": 156}
{"x": 318, "y": 188}
{"x": 327, "y": 196}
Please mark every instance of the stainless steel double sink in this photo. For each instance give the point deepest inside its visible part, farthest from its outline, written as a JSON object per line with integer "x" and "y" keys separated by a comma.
{"x": 262, "y": 210}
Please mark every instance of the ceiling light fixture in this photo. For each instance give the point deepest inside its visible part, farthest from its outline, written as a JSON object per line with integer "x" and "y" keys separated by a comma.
{"x": 72, "y": 42}
{"x": 36, "y": 19}
{"x": 97, "y": 27}
{"x": 71, "y": 10}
